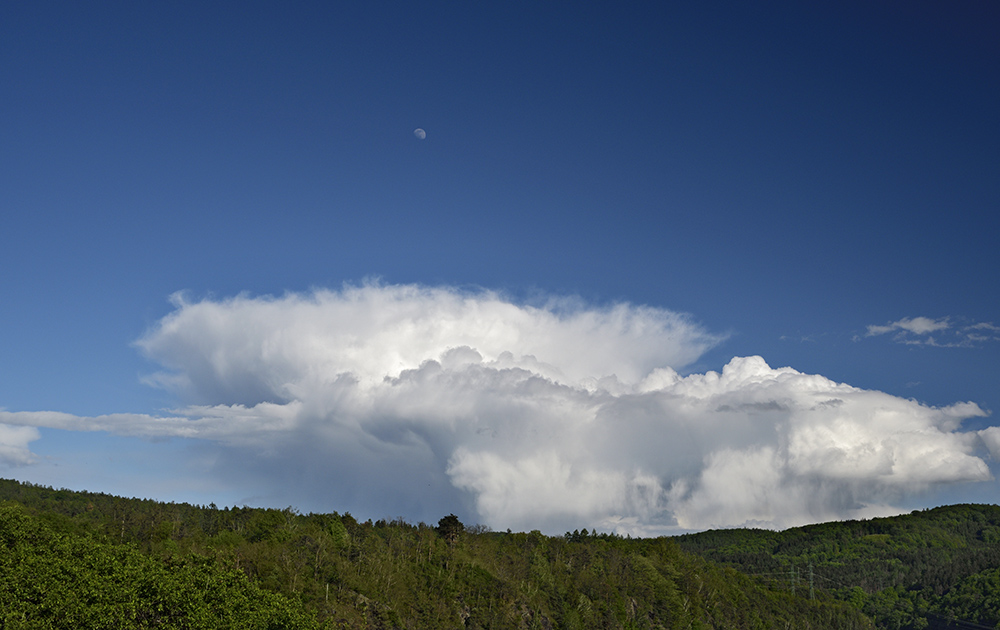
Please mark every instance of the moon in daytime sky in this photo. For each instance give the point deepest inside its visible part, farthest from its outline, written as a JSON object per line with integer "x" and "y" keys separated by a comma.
{"x": 419, "y": 133}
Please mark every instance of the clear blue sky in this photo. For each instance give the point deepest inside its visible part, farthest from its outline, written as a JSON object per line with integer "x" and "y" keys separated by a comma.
{"x": 816, "y": 185}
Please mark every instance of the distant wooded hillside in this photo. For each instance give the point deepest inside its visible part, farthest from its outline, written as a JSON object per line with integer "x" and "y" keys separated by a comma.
{"x": 936, "y": 568}
{"x": 102, "y": 561}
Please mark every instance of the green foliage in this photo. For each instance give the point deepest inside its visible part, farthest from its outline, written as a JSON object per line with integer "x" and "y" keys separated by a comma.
{"x": 906, "y": 572}
{"x": 51, "y": 580}
{"x": 139, "y": 563}
{"x": 200, "y": 563}
{"x": 450, "y": 528}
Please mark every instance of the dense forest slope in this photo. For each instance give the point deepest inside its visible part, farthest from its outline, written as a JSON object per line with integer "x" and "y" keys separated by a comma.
{"x": 49, "y": 580}
{"x": 929, "y": 569}
{"x": 79, "y": 559}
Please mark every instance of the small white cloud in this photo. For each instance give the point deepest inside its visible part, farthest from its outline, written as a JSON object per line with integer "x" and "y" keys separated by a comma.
{"x": 981, "y": 333}
{"x": 916, "y": 331}
{"x": 923, "y": 325}
{"x": 915, "y": 325}
{"x": 984, "y": 326}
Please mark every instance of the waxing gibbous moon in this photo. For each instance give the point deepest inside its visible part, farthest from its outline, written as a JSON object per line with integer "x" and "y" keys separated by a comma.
{"x": 419, "y": 133}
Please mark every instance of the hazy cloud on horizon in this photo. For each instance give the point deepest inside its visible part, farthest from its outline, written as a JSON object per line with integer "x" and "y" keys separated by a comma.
{"x": 412, "y": 399}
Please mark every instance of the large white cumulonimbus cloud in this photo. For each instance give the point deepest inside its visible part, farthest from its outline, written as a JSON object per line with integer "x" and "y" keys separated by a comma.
{"x": 415, "y": 401}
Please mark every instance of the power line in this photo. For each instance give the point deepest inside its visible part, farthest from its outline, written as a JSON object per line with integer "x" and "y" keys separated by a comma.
{"x": 970, "y": 625}
{"x": 792, "y": 576}
{"x": 812, "y": 592}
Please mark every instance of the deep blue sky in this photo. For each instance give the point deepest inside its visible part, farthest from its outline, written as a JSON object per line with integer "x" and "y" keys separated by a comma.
{"x": 787, "y": 173}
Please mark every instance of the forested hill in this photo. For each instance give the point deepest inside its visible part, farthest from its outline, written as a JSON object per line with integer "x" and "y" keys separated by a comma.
{"x": 932, "y": 568}
{"x": 78, "y": 559}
